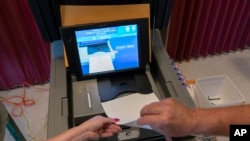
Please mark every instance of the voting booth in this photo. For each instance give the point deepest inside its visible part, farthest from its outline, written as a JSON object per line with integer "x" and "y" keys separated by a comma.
{"x": 111, "y": 61}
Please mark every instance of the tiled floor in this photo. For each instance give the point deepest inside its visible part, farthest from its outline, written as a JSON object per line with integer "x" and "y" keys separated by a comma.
{"x": 235, "y": 65}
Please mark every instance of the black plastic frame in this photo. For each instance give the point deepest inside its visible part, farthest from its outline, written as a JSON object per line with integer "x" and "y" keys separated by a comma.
{"x": 69, "y": 39}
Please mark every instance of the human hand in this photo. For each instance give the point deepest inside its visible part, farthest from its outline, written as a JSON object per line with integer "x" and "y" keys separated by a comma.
{"x": 99, "y": 127}
{"x": 92, "y": 129}
{"x": 168, "y": 117}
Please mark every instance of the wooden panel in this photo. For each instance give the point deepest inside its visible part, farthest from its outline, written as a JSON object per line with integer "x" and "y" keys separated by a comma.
{"x": 72, "y": 15}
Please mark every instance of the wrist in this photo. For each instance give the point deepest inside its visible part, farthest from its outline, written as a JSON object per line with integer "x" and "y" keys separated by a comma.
{"x": 194, "y": 123}
{"x": 78, "y": 133}
{"x": 204, "y": 122}
{"x": 82, "y": 128}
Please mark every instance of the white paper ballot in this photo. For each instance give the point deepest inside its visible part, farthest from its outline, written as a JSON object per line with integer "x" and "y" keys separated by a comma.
{"x": 128, "y": 108}
{"x": 100, "y": 63}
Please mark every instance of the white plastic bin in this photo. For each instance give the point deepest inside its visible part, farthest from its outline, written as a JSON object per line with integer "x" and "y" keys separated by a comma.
{"x": 218, "y": 91}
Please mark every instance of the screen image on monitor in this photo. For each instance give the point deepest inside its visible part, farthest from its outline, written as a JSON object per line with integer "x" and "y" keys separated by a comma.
{"x": 107, "y": 48}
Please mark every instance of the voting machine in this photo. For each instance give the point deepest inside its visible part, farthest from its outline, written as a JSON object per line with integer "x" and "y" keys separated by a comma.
{"x": 107, "y": 60}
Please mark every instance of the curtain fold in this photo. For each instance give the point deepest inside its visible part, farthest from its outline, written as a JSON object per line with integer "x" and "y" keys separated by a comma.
{"x": 208, "y": 27}
{"x": 24, "y": 56}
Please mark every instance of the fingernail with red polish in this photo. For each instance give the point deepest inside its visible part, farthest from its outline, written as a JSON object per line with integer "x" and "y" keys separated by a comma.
{"x": 116, "y": 119}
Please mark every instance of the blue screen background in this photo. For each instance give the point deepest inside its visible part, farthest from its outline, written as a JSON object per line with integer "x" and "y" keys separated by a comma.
{"x": 122, "y": 41}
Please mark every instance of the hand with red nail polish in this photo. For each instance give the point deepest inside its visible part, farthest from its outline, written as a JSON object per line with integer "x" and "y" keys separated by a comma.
{"x": 92, "y": 129}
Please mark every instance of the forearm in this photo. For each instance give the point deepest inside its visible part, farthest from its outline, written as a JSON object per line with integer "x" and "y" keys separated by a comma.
{"x": 73, "y": 134}
{"x": 216, "y": 121}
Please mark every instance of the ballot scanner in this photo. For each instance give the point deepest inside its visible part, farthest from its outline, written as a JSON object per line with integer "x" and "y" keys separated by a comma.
{"x": 108, "y": 60}
{"x": 68, "y": 108}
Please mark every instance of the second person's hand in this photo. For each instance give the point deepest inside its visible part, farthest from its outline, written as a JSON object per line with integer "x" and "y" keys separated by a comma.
{"x": 168, "y": 117}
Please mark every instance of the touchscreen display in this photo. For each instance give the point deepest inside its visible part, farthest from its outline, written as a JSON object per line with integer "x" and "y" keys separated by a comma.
{"x": 108, "y": 49}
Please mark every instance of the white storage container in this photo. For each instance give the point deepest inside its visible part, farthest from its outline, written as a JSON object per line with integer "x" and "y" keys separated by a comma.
{"x": 218, "y": 91}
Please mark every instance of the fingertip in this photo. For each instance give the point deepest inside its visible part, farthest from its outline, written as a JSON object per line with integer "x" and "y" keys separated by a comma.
{"x": 105, "y": 135}
{"x": 116, "y": 119}
{"x": 119, "y": 128}
{"x": 139, "y": 121}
